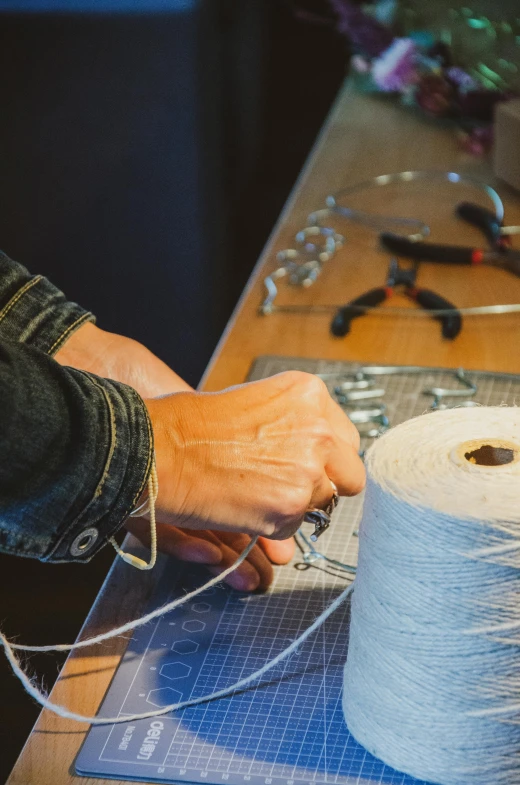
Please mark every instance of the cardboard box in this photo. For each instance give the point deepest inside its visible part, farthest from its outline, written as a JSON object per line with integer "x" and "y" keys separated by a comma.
{"x": 506, "y": 148}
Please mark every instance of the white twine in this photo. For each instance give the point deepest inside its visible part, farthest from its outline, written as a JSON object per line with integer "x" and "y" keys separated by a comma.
{"x": 432, "y": 680}
{"x": 147, "y": 507}
{"x": 30, "y": 687}
{"x": 62, "y": 711}
{"x": 132, "y": 625}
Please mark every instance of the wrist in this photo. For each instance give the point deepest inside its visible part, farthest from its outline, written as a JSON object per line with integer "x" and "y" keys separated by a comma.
{"x": 172, "y": 422}
{"x": 82, "y": 349}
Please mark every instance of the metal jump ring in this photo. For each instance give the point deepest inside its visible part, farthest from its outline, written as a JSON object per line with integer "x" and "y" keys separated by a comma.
{"x": 320, "y": 519}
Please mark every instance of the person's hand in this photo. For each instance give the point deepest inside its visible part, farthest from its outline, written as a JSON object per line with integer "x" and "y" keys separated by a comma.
{"x": 219, "y": 550}
{"x": 115, "y": 357}
{"x": 254, "y": 458}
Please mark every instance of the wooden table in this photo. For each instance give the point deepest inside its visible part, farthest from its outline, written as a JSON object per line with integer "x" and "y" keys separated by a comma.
{"x": 363, "y": 137}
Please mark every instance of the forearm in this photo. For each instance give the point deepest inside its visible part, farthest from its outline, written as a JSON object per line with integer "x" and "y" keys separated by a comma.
{"x": 123, "y": 359}
{"x": 75, "y": 455}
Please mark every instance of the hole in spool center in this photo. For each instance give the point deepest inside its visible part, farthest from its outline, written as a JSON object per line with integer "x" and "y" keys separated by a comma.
{"x": 489, "y": 455}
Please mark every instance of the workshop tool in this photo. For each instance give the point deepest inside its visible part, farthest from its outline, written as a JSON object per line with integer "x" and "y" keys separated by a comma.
{"x": 499, "y": 254}
{"x": 318, "y": 242}
{"x": 467, "y": 389}
{"x": 336, "y": 202}
{"x": 291, "y": 728}
{"x": 353, "y": 397}
{"x": 451, "y": 322}
{"x": 354, "y": 384}
{"x": 463, "y": 394}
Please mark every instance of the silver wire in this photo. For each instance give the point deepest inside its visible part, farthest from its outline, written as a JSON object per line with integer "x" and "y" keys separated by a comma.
{"x": 333, "y": 200}
{"x": 310, "y": 555}
{"x": 302, "y": 274}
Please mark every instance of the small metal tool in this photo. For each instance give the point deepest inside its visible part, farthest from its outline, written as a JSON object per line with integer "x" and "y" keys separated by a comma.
{"x": 437, "y": 406}
{"x": 391, "y": 370}
{"x": 382, "y": 424}
{"x": 353, "y": 396}
{"x": 468, "y": 390}
{"x": 310, "y": 555}
{"x": 354, "y": 384}
{"x": 499, "y": 254}
{"x": 361, "y": 416}
{"x": 451, "y": 323}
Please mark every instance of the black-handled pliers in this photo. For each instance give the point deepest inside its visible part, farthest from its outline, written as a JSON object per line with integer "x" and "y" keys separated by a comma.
{"x": 451, "y": 323}
{"x": 499, "y": 254}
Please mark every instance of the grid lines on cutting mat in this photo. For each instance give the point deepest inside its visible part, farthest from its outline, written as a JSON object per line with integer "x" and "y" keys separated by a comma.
{"x": 290, "y": 729}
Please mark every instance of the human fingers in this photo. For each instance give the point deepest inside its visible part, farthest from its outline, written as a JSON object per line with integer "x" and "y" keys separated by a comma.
{"x": 201, "y": 547}
{"x": 264, "y": 451}
{"x": 343, "y": 465}
{"x": 334, "y": 445}
{"x": 176, "y": 542}
{"x": 246, "y": 577}
{"x": 257, "y": 558}
{"x": 278, "y": 551}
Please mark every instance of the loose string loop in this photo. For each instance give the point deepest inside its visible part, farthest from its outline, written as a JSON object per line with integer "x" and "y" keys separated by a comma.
{"x": 148, "y": 506}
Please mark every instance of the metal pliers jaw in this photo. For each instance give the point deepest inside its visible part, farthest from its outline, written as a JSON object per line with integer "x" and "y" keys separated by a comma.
{"x": 498, "y": 254}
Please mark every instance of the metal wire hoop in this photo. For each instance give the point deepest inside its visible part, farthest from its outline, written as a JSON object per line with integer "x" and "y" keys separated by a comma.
{"x": 334, "y": 201}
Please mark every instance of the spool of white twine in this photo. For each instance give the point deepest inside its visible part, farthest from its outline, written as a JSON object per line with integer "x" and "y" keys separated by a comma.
{"x": 432, "y": 680}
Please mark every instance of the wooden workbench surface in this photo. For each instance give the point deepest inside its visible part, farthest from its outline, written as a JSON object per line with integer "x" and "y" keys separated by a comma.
{"x": 363, "y": 137}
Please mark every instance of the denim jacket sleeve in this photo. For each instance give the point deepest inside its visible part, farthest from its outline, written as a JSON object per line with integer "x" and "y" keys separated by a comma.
{"x": 35, "y": 312}
{"x": 75, "y": 449}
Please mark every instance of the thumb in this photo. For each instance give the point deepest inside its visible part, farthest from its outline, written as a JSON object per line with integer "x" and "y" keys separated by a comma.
{"x": 278, "y": 551}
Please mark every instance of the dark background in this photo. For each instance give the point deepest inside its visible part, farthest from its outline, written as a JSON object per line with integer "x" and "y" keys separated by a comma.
{"x": 143, "y": 162}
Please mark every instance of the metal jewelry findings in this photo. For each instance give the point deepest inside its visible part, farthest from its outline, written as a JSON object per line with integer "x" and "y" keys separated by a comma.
{"x": 318, "y": 242}
{"x": 321, "y": 519}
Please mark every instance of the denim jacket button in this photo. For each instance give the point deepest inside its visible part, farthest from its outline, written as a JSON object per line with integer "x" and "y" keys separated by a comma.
{"x": 84, "y": 542}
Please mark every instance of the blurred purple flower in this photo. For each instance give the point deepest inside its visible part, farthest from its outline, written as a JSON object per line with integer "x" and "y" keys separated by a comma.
{"x": 366, "y": 35}
{"x": 396, "y": 68}
{"x": 461, "y": 79}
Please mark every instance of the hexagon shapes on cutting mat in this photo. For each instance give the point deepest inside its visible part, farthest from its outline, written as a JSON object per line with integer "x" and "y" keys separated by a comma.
{"x": 163, "y": 696}
{"x": 201, "y": 607}
{"x": 193, "y": 625}
{"x": 175, "y": 670}
{"x": 185, "y": 646}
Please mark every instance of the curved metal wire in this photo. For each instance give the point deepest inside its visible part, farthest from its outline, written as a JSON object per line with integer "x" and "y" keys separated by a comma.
{"x": 333, "y": 201}
{"x": 303, "y": 272}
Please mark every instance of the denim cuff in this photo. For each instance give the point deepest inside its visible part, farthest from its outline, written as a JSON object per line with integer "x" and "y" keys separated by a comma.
{"x": 33, "y": 311}
{"x": 123, "y": 476}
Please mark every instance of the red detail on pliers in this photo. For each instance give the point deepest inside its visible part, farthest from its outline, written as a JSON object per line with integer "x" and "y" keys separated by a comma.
{"x": 477, "y": 256}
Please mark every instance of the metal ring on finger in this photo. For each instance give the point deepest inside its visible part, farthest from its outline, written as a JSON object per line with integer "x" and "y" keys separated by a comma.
{"x": 321, "y": 519}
